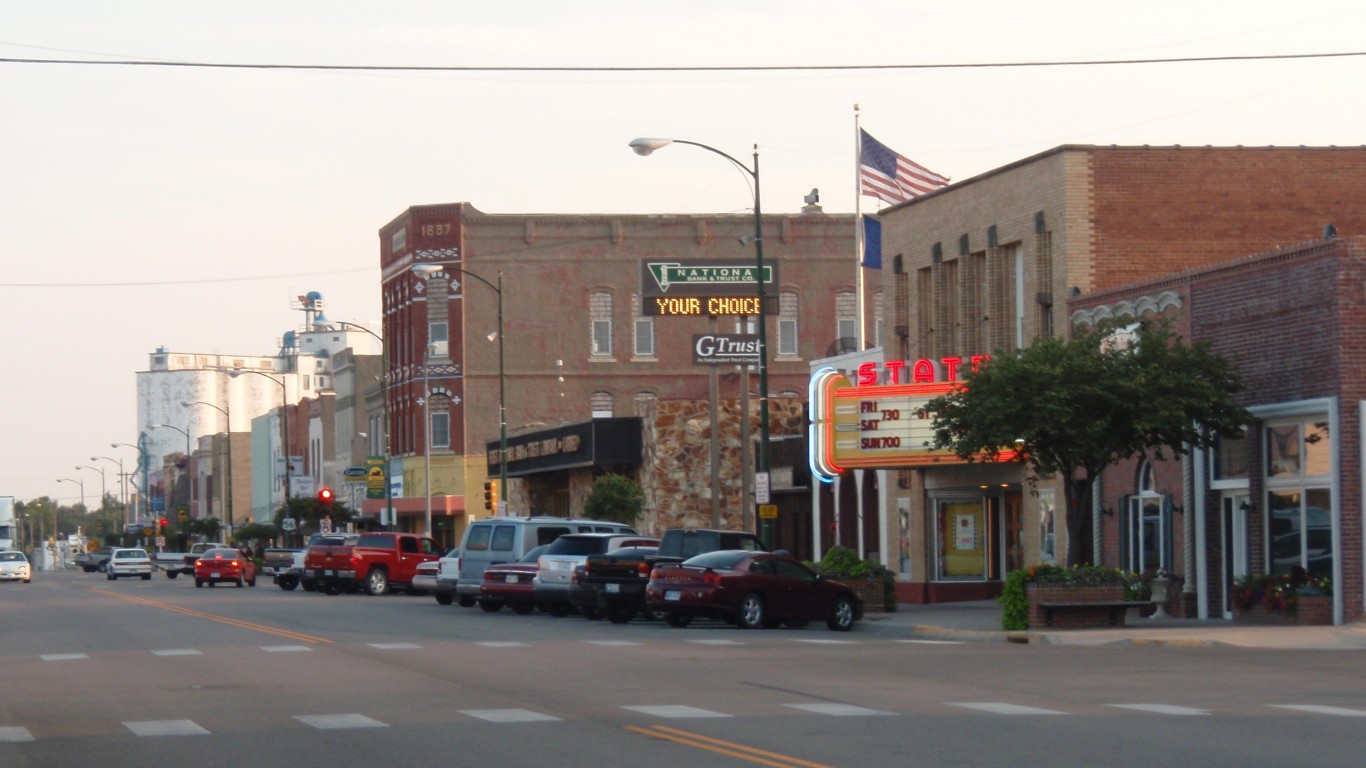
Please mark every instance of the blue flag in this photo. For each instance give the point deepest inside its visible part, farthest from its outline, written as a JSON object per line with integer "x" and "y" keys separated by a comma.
{"x": 872, "y": 243}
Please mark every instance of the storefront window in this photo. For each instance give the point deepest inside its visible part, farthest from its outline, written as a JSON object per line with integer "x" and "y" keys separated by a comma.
{"x": 1229, "y": 458}
{"x": 1301, "y": 531}
{"x": 1048, "y": 503}
{"x": 962, "y": 537}
{"x": 1147, "y": 529}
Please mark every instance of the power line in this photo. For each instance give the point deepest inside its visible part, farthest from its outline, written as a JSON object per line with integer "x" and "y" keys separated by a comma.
{"x": 719, "y": 68}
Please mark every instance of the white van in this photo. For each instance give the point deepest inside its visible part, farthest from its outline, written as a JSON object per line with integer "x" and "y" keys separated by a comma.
{"x": 503, "y": 540}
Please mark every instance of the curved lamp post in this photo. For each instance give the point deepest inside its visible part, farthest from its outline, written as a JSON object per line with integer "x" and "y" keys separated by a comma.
{"x": 644, "y": 147}
{"x": 123, "y": 480}
{"x": 142, "y": 464}
{"x": 227, "y": 486}
{"x": 103, "y": 487}
{"x": 57, "y": 529}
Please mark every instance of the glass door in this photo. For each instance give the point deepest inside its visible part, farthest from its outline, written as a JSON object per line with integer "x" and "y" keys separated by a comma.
{"x": 1235, "y": 511}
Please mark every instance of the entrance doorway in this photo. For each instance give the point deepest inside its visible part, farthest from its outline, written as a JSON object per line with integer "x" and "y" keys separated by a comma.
{"x": 1234, "y": 534}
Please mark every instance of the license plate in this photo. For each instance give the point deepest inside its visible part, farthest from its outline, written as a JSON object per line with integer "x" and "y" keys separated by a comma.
{"x": 561, "y": 565}
{"x": 215, "y": 575}
{"x": 329, "y": 573}
{"x": 672, "y": 594}
{"x": 511, "y": 578}
{"x": 612, "y": 588}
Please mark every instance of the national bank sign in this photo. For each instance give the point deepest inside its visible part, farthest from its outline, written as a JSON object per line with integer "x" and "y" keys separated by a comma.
{"x": 710, "y": 287}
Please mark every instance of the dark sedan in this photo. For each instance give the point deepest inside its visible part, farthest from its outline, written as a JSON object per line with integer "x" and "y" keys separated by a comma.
{"x": 750, "y": 589}
{"x": 510, "y": 583}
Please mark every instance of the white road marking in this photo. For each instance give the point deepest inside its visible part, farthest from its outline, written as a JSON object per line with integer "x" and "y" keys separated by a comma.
{"x": 1319, "y": 710}
{"x": 829, "y": 642}
{"x": 285, "y": 648}
{"x": 509, "y": 715}
{"x": 502, "y": 644}
{"x": 611, "y": 642}
{"x": 838, "y": 710}
{"x": 930, "y": 642}
{"x": 339, "y": 722}
{"x": 675, "y": 711}
{"x": 1000, "y": 708}
{"x": 716, "y": 642}
{"x": 165, "y": 728}
{"x": 394, "y": 646}
{"x": 177, "y": 652}
{"x": 1162, "y": 709}
{"x": 15, "y": 734}
{"x": 63, "y": 656}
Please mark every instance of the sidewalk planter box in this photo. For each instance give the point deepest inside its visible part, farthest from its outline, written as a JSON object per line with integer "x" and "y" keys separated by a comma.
{"x": 1309, "y": 611}
{"x": 875, "y": 592}
{"x": 1076, "y": 616}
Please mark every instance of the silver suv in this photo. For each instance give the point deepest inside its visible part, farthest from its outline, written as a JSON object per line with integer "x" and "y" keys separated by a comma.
{"x": 555, "y": 569}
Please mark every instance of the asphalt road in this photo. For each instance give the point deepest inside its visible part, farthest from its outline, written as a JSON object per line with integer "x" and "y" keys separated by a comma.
{"x": 158, "y": 673}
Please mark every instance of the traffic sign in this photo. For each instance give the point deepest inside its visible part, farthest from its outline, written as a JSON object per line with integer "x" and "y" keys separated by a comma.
{"x": 768, "y": 511}
{"x": 761, "y": 488}
{"x": 287, "y": 524}
{"x": 325, "y": 525}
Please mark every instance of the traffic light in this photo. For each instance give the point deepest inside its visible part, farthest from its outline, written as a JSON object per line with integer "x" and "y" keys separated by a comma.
{"x": 491, "y": 495}
{"x": 325, "y": 496}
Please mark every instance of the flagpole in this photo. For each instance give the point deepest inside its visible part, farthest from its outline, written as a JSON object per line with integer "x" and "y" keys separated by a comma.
{"x": 858, "y": 231}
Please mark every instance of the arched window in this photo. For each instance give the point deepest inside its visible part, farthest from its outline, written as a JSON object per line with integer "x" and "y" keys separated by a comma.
{"x": 1148, "y": 535}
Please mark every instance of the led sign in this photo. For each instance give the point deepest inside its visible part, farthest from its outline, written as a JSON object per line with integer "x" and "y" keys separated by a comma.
{"x": 708, "y": 306}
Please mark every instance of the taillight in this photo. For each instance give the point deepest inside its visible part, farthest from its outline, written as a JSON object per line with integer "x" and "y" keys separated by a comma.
{"x": 644, "y": 569}
{"x": 233, "y": 563}
{"x": 198, "y": 563}
{"x": 711, "y": 578}
{"x": 654, "y": 573}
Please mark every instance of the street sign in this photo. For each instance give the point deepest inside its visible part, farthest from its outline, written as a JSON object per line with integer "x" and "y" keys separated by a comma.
{"x": 355, "y": 474}
{"x": 325, "y": 525}
{"x": 287, "y": 524}
{"x": 768, "y": 511}
{"x": 761, "y": 488}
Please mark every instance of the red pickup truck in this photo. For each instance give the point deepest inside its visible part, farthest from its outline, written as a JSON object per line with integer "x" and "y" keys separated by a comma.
{"x": 377, "y": 561}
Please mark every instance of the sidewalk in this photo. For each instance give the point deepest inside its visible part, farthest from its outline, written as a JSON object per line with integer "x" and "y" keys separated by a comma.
{"x": 980, "y": 621}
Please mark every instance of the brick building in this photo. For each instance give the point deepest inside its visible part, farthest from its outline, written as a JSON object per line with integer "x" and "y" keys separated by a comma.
{"x": 986, "y": 264}
{"x": 591, "y": 381}
{"x": 1289, "y": 493}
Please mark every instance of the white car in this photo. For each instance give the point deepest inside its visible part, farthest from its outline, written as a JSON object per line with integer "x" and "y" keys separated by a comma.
{"x": 424, "y": 577}
{"x": 129, "y": 561}
{"x": 15, "y": 567}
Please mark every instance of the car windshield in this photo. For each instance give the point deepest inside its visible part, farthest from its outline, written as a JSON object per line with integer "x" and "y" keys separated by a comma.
{"x": 634, "y": 551}
{"x": 224, "y": 553}
{"x": 125, "y": 554}
{"x": 534, "y": 554}
{"x": 12, "y": 557}
{"x": 726, "y": 558}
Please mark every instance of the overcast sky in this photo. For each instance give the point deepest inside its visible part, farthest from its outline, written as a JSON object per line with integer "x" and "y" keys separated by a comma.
{"x": 147, "y": 206}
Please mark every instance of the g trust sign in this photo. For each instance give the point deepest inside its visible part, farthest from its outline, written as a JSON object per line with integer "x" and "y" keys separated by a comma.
{"x": 725, "y": 349}
{"x": 883, "y": 422}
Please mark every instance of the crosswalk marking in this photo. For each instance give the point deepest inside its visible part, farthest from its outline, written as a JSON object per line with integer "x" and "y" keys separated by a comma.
{"x": 1002, "y": 708}
{"x": 930, "y": 642}
{"x": 394, "y": 646}
{"x": 838, "y": 710}
{"x": 611, "y": 642}
{"x": 1318, "y": 710}
{"x": 502, "y": 644}
{"x": 15, "y": 734}
{"x": 675, "y": 711}
{"x": 165, "y": 728}
{"x": 63, "y": 656}
{"x": 509, "y": 715}
{"x": 818, "y": 641}
{"x": 339, "y": 722}
{"x": 177, "y": 652}
{"x": 285, "y": 648}
{"x": 1162, "y": 709}
{"x": 716, "y": 642}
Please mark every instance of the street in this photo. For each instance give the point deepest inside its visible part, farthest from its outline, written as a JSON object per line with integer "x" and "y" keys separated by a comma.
{"x": 138, "y": 673}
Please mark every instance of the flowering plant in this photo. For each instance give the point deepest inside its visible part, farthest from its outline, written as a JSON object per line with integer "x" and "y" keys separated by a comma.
{"x": 1278, "y": 592}
{"x": 1015, "y": 613}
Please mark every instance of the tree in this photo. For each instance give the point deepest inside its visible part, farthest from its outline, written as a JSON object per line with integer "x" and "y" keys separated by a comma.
{"x": 1073, "y": 407}
{"x": 614, "y": 498}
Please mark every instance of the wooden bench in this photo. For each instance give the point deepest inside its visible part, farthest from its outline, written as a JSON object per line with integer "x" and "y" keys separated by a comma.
{"x": 1116, "y": 609}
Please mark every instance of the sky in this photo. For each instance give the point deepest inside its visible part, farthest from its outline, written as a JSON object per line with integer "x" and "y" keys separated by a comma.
{"x": 186, "y": 208}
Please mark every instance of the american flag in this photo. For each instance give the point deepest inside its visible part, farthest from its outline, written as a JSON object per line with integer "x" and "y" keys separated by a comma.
{"x": 890, "y": 177}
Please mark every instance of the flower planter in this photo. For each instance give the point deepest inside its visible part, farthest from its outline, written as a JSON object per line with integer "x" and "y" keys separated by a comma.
{"x": 1309, "y": 611}
{"x": 873, "y": 592}
{"x": 1077, "y": 615}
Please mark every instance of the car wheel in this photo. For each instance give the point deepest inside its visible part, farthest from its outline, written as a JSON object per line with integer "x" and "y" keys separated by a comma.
{"x": 102, "y": 567}
{"x": 490, "y": 606}
{"x": 110, "y": 577}
{"x": 172, "y": 574}
{"x": 88, "y": 568}
{"x": 592, "y": 613}
{"x": 444, "y": 598}
{"x": 309, "y": 586}
{"x": 522, "y": 608}
{"x": 146, "y": 577}
{"x": 198, "y": 583}
{"x": 251, "y": 582}
{"x": 377, "y": 582}
{"x": 678, "y": 619}
{"x": 287, "y": 583}
{"x": 467, "y": 601}
{"x": 557, "y": 609}
{"x": 751, "y": 611}
{"x": 842, "y": 615}
{"x": 331, "y": 588}
{"x": 619, "y": 614}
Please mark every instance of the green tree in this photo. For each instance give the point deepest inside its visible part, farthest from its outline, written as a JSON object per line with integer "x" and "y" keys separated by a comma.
{"x": 1073, "y": 407}
{"x": 614, "y": 498}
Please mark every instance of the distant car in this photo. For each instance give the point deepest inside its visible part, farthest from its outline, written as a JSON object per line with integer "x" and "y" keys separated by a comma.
{"x": 128, "y": 561}
{"x": 750, "y": 589}
{"x": 15, "y": 567}
{"x": 510, "y": 583}
{"x": 96, "y": 560}
{"x": 217, "y": 566}
{"x": 555, "y": 571}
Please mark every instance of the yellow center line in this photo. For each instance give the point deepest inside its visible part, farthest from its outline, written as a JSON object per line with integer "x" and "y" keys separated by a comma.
{"x": 729, "y": 748}
{"x": 211, "y": 617}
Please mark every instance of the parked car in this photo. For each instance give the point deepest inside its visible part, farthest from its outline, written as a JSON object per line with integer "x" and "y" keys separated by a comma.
{"x": 503, "y": 540}
{"x": 176, "y": 563}
{"x": 14, "y": 566}
{"x": 217, "y": 566}
{"x": 510, "y": 584}
{"x": 377, "y": 562}
{"x": 555, "y": 569}
{"x": 750, "y": 589}
{"x": 128, "y": 561}
{"x": 278, "y": 562}
{"x": 424, "y": 576}
{"x": 295, "y": 575}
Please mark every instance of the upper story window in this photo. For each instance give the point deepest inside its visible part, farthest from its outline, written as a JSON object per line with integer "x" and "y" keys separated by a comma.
{"x": 441, "y": 430}
{"x": 1228, "y": 459}
{"x": 602, "y": 405}
{"x": 644, "y": 331}
{"x": 600, "y": 313}
{"x": 1298, "y": 449}
{"x": 846, "y": 316}
{"x": 788, "y": 307}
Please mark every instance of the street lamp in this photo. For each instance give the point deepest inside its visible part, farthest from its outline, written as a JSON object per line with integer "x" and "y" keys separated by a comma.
{"x": 57, "y": 529}
{"x": 284, "y": 423}
{"x": 103, "y": 487}
{"x": 142, "y": 464}
{"x": 429, "y": 269}
{"x": 123, "y": 480}
{"x": 178, "y": 429}
{"x": 227, "y": 486}
{"x": 644, "y": 147}
{"x": 384, "y": 428}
